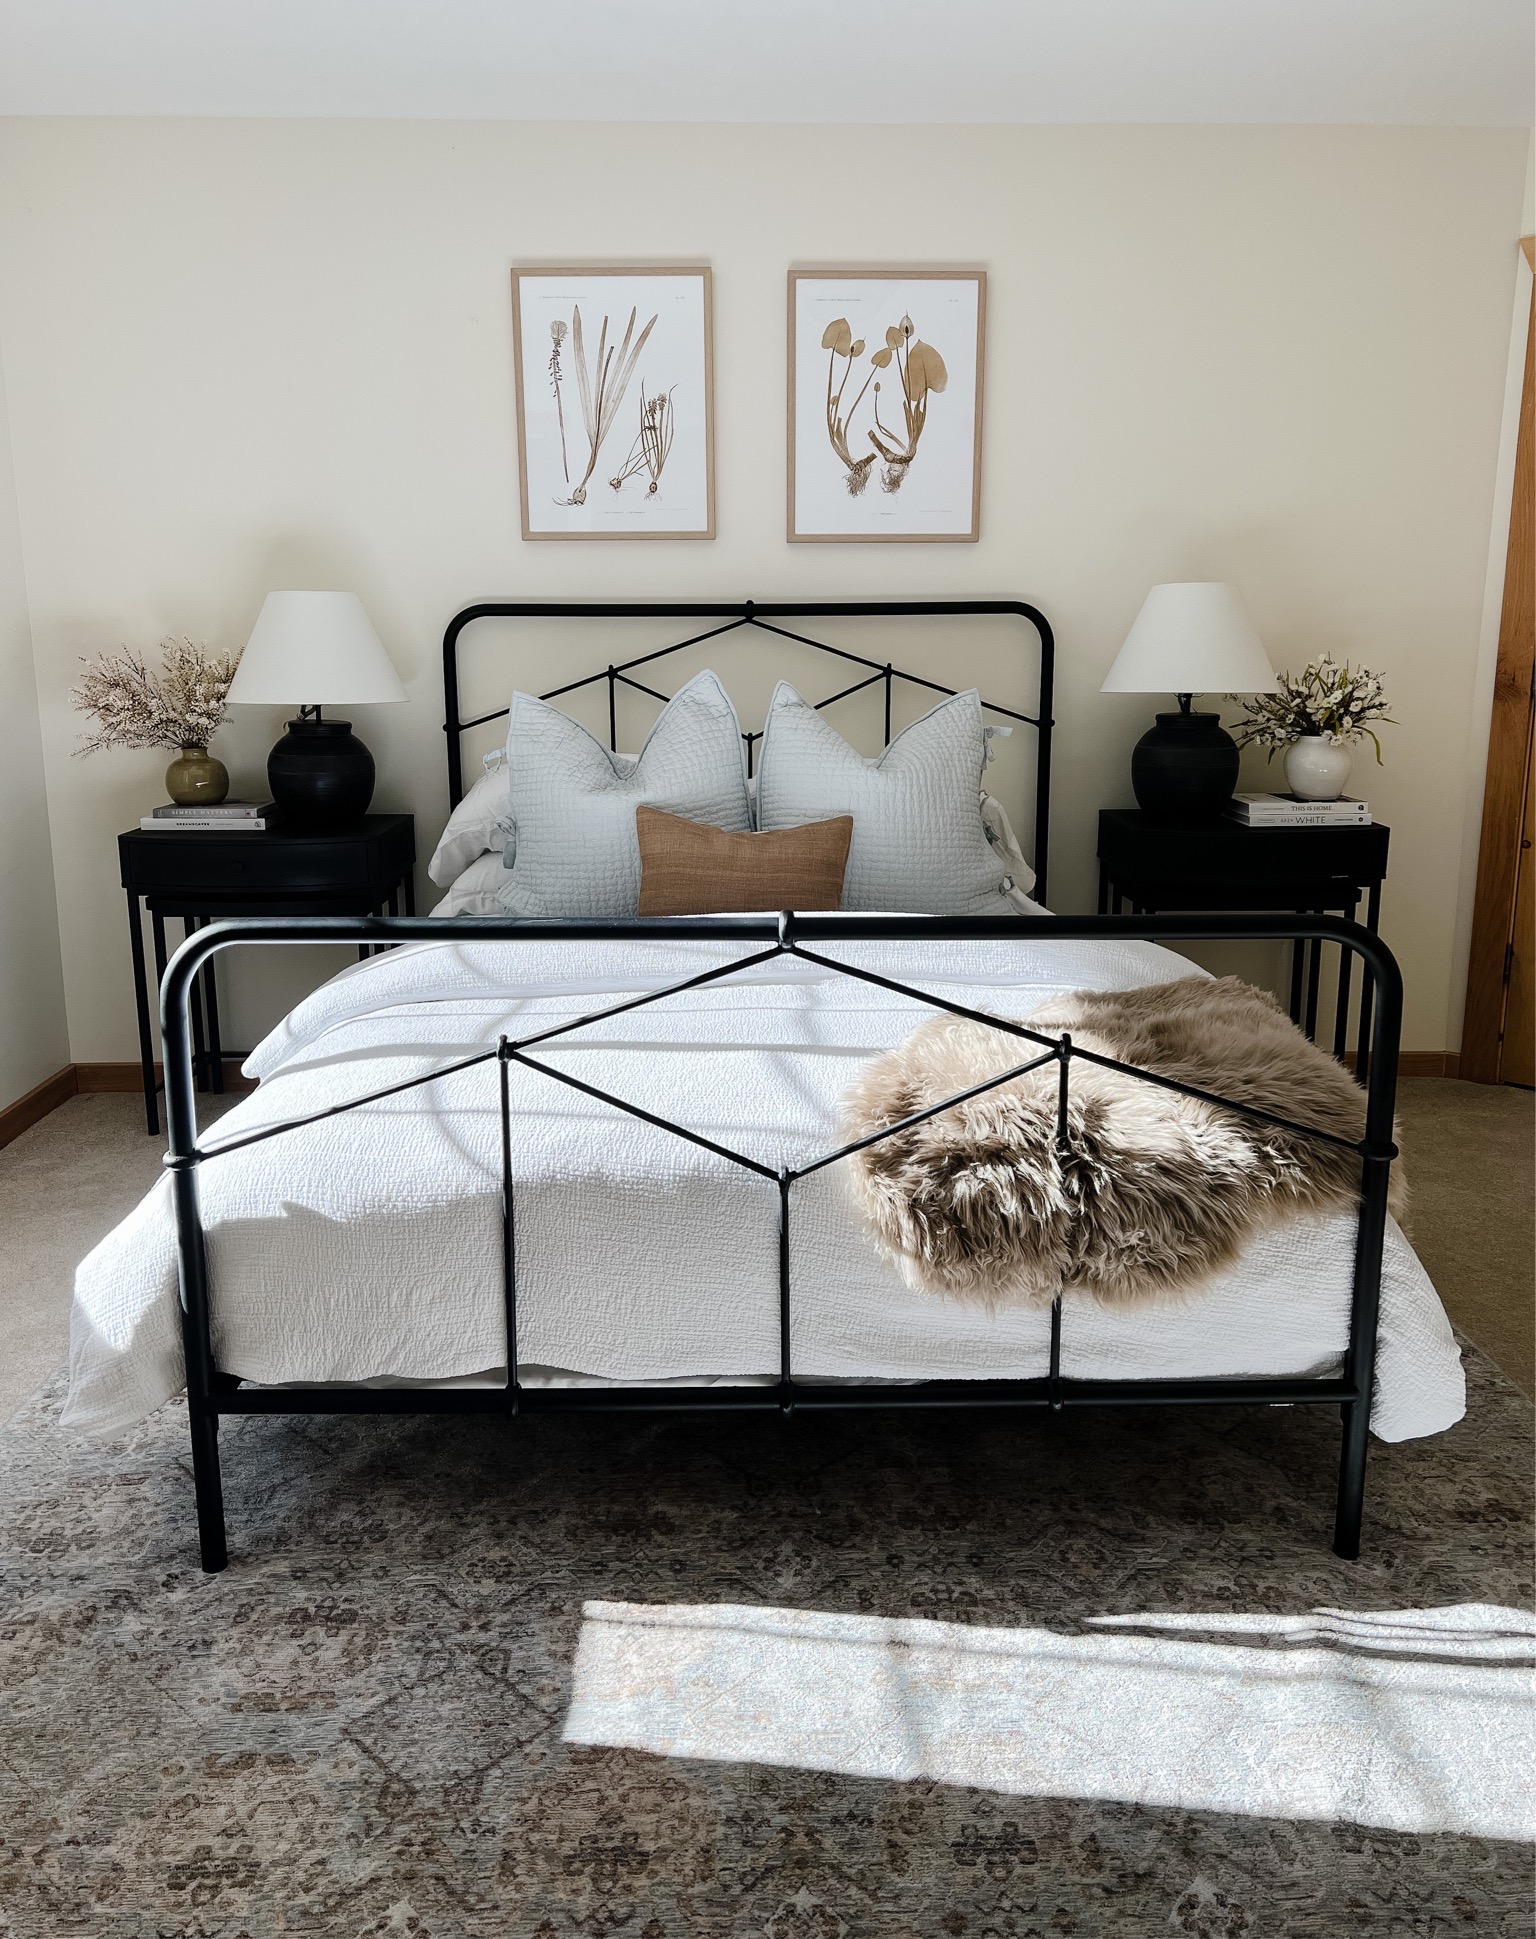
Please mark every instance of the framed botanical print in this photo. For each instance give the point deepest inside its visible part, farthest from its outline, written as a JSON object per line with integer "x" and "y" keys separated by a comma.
{"x": 615, "y": 403}
{"x": 885, "y": 383}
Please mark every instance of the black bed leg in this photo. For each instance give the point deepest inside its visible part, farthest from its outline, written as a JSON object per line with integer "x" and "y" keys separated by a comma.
{"x": 1351, "y": 1509}
{"x": 209, "y": 1486}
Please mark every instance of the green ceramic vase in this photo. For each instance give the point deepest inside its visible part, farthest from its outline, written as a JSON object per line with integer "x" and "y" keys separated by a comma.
{"x": 196, "y": 779}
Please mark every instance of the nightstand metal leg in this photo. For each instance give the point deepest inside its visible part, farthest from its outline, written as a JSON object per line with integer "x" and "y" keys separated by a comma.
{"x": 1103, "y": 891}
{"x": 189, "y": 927}
{"x": 215, "y": 1040}
{"x": 141, "y": 1005}
{"x": 1314, "y": 979}
{"x": 1367, "y": 992}
{"x": 408, "y": 884}
{"x": 1341, "y": 998}
{"x": 1298, "y": 952}
{"x": 157, "y": 930}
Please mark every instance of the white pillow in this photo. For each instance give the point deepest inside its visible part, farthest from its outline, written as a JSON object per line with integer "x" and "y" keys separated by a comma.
{"x": 571, "y": 804}
{"x": 477, "y": 829}
{"x": 472, "y": 827}
{"x": 473, "y": 892}
{"x": 918, "y": 843}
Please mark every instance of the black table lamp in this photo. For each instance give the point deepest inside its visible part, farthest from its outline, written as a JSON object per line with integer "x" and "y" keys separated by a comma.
{"x": 1189, "y": 637}
{"x": 318, "y": 649}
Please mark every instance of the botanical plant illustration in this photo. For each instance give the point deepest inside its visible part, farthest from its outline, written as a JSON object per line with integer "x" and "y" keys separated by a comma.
{"x": 922, "y": 373}
{"x": 182, "y": 706}
{"x": 652, "y": 442}
{"x": 557, "y": 337}
{"x": 838, "y": 339}
{"x": 1334, "y": 701}
{"x": 602, "y": 390}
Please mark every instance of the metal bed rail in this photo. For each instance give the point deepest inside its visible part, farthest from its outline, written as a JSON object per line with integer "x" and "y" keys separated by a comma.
{"x": 211, "y": 1392}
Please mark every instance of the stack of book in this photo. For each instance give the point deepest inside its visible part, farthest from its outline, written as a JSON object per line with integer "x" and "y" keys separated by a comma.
{"x": 1290, "y": 811}
{"x": 227, "y": 817}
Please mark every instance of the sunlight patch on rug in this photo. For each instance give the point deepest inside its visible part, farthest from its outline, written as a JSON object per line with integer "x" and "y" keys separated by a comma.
{"x": 1407, "y": 1720}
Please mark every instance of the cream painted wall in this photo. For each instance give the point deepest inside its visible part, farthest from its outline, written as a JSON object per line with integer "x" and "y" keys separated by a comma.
{"x": 250, "y": 354}
{"x": 34, "y": 1040}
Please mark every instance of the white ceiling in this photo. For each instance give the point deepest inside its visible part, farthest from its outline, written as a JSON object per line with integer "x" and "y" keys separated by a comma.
{"x": 1444, "y": 62}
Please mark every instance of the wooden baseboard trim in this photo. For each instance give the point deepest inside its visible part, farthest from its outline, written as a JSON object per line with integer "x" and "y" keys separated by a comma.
{"x": 92, "y": 1079}
{"x": 77, "y": 1080}
{"x": 36, "y": 1104}
{"x": 1420, "y": 1063}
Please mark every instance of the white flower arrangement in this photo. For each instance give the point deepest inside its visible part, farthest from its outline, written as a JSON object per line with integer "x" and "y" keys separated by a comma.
{"x": 1336, "y": 702}
{"x": 182, "y": 706}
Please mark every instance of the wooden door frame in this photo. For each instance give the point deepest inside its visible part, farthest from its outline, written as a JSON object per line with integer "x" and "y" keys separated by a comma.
{"x": 1508, "y": 740}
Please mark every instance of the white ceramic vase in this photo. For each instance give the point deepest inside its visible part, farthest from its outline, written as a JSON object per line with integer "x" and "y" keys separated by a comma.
{"x": 1317, "y": 767}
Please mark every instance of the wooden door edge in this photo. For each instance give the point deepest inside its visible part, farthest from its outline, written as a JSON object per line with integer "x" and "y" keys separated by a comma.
{"x": 1508, "y": 742}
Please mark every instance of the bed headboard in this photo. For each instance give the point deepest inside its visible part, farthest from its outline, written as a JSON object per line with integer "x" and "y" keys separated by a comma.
{"x": 766, "y": 618}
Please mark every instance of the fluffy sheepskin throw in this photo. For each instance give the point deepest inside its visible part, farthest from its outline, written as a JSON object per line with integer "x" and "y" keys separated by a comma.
{"x": 1154, "y": 1192}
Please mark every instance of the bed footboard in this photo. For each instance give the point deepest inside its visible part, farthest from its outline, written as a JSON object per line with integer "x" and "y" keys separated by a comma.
{"x": 212, "y": 1392}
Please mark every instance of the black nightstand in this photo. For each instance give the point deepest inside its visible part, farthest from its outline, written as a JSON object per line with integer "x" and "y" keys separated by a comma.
{"x": 198, "y": 876}
{"x": 1223, "y": 865}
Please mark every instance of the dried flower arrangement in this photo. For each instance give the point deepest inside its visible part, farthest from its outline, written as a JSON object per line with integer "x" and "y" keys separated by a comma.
{"x": 922, "y": 372}
{"x": 1336, "y": 702}
{"x": 182, "y": 706}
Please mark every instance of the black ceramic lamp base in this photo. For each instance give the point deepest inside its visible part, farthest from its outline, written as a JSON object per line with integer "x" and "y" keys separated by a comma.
{"x": 1185, "y": 769}
{"x": 320, "y": 774}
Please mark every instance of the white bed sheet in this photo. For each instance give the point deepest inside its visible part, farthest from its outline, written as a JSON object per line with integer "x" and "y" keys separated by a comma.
{"x": 367, "y": 1247}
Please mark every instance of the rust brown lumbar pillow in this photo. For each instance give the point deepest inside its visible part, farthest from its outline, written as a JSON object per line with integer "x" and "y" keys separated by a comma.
{"x": 688, "y": 868}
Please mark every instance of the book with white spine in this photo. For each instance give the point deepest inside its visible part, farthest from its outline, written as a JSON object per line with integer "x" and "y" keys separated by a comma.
{"x": 1290, "y": 811}
{"x": 204, "y": 824}
{"x": 211, "y": 811}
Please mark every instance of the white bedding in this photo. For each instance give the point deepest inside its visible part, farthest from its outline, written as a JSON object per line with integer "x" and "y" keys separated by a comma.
{"x": 367, "y": 1247}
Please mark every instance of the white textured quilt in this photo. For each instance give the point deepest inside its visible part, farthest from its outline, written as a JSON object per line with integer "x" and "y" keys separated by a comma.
{"x": 367, "y": 1247}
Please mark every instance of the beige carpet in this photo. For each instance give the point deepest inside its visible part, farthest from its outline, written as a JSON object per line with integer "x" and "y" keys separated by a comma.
{"x": 63, "y": 1186}
{"x": 1469, "y": 1149}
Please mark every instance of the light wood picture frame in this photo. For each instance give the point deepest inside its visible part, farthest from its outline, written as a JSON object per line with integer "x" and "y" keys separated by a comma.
{"x": 885, "y": 403}
{"x": 615, "y": 402}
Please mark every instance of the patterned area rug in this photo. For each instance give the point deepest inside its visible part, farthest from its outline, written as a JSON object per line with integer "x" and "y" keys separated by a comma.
{"x": 357, "y": 1729}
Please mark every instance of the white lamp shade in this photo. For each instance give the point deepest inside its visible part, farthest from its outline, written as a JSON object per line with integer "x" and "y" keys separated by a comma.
{"x": 1193, "y": 636}
{"x": 314, "y": 649}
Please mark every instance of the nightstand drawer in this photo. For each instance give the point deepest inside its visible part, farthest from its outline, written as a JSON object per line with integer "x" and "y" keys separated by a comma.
{"x": 1224, "y": 853}
{"x": 242, "y": 864}
{"x": 351, "y": 862}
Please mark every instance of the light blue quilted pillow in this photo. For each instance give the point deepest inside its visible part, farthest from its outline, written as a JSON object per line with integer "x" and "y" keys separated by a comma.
{"x": 571, "y": 851}
{"x": 919, "y": 846}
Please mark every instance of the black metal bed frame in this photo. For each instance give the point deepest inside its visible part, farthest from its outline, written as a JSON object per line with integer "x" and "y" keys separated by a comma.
{"x": 212, "y": 1393}
{"x": 763, "y": 617}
